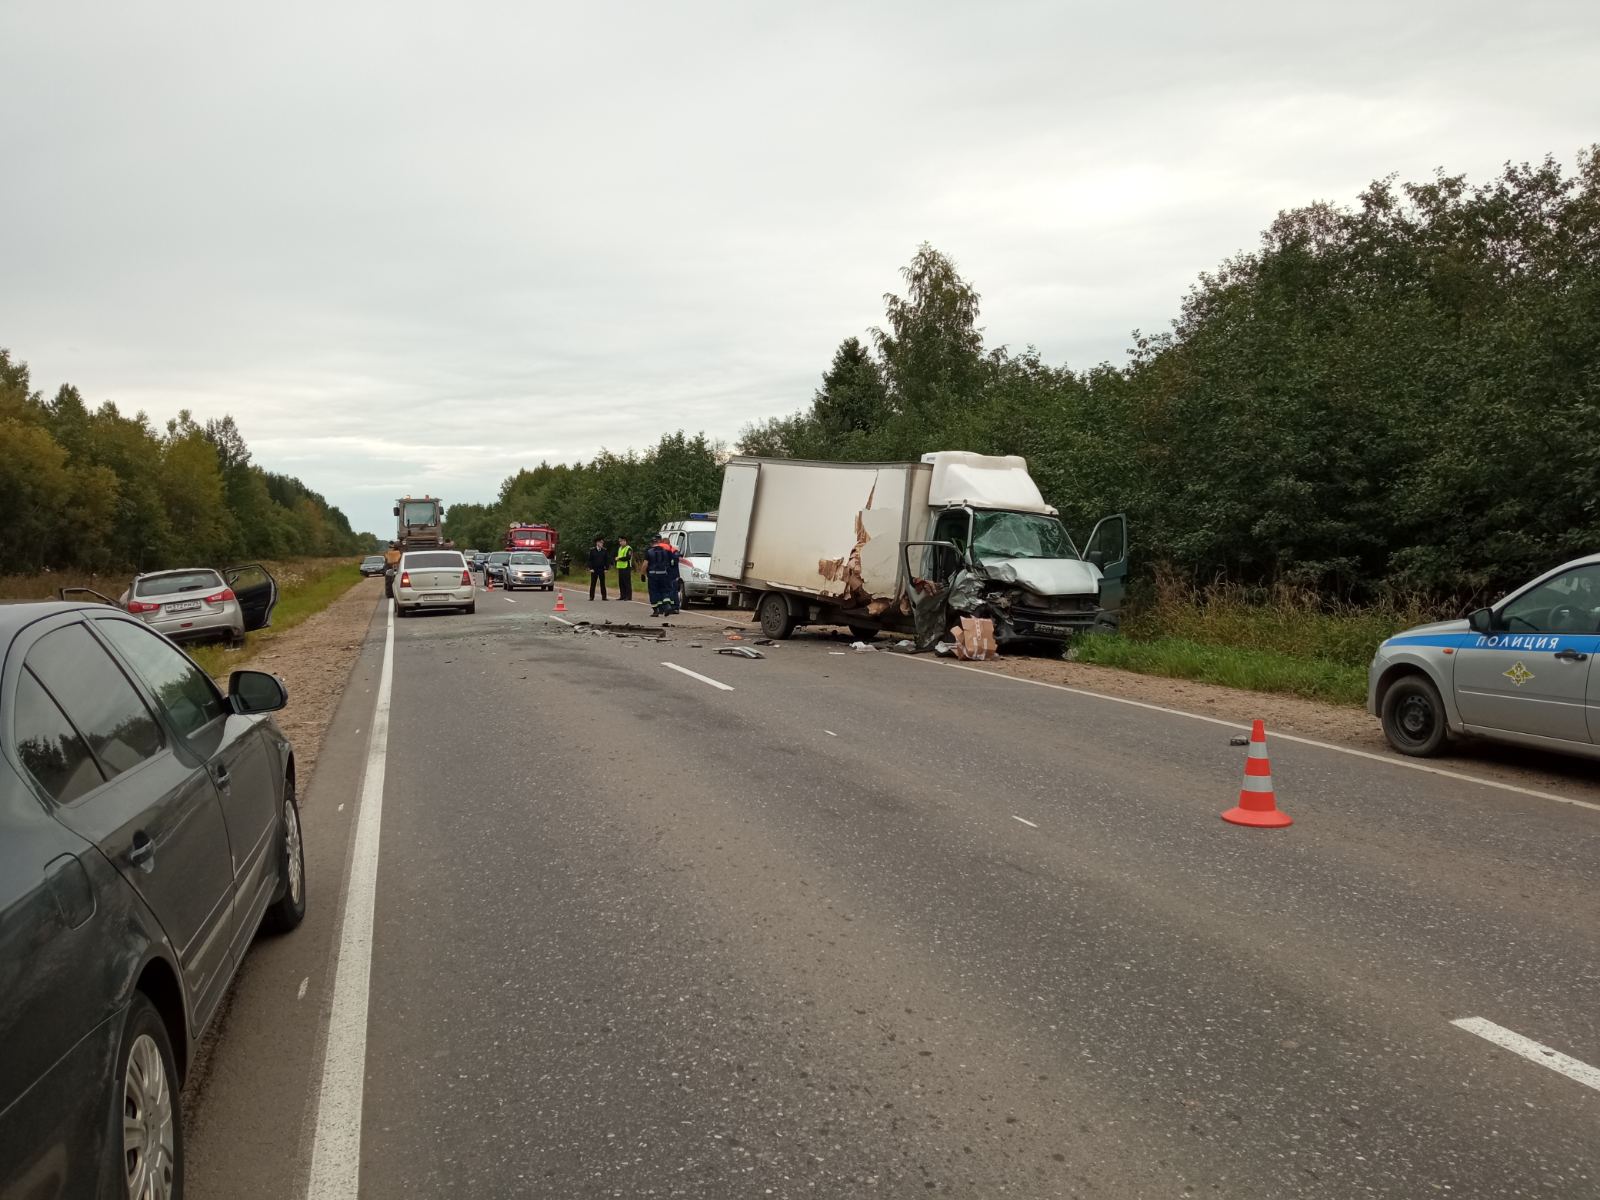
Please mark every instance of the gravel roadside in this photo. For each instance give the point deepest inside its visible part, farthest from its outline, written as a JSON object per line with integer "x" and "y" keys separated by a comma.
{"x": 314, "y": 660}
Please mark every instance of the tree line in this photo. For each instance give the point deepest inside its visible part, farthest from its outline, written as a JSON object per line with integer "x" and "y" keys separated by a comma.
{"x": 629, "y": 495}
{"x": 1395, "y": 397}
{"x": 99, "y": 491}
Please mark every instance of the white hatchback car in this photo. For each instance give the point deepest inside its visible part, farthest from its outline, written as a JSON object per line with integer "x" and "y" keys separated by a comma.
{"x": 433, "y": 579}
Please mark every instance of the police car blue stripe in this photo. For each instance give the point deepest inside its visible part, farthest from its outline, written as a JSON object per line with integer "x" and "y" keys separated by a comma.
{"x": 1525, "y": 643}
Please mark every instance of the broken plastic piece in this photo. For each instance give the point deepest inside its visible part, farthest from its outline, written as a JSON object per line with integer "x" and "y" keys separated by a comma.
{"x": 860, "y": 647}
{"x": 740, "y": 651}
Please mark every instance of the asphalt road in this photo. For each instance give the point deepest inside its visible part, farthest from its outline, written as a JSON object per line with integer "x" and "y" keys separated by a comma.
{"x": 860, "y": 924}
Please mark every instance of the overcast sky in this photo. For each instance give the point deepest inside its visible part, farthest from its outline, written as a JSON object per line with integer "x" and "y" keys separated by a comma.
{"x": 412, "y": 247}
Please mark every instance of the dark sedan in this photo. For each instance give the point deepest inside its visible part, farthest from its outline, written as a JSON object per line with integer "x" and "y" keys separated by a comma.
{"x": 148, "y": 828}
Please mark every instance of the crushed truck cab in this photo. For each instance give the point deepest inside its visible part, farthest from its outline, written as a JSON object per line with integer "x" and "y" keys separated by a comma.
{"x": 910, "y": 547}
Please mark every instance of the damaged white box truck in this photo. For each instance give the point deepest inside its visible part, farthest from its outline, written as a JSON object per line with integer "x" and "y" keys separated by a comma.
{"x": 910, "y": 547}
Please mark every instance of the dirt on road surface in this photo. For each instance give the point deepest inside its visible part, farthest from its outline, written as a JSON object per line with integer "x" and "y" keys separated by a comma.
{"x": 314, "y": 659}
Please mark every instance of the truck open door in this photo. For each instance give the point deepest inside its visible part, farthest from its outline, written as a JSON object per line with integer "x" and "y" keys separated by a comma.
{"x": 257, "y": 592}
{"x": 733, "y": 520}
{"x": 1107, "y": 548}
{"x": 928, "y": 579}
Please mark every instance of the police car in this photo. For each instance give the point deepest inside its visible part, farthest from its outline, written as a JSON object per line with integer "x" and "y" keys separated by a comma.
{"x": 1521, "y": 671}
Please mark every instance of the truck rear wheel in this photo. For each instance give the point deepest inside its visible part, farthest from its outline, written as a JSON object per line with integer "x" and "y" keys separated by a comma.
{"x": 777, "y": 622}
{"x": 863, "y": 633}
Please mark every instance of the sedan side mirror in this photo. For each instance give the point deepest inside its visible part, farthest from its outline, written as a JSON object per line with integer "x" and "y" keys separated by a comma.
{"x": 1481, "y": 621}
{"x": 251, "y": 692}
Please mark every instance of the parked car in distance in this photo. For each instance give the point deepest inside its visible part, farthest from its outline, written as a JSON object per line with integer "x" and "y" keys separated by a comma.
{"x": 433, "y": 579}
{"x": 494, "y": 566}
{"x": 372, "y": 564}
{"x": 1520, "y": 671}
{"x": 148, "y": 829}
{"x": 471, "y": 556}
{"x": 196, "y": 604}
{"x": 529, "y": 568}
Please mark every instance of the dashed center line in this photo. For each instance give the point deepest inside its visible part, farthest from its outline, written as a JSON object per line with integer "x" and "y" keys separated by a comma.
{"x": 716, "y": 683}
{"x": 1531, "y": 1050}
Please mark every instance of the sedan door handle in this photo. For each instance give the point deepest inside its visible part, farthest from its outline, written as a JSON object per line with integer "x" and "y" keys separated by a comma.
{"x": 222, "y": 778}
{"x": 1570, "y": 656}
{"x": 143, "y": 851}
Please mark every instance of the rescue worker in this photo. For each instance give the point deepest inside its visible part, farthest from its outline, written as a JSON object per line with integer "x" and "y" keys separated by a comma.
{"x": 624, "y": 569}
{"x": 661, "y": 574}
{"x": 597, "y": 568}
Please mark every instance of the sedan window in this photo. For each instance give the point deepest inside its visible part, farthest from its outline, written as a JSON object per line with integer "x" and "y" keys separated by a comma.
{"x": 182, "y": 690}
{"x": 433, "y": 559}
{"x": 97, "y": 697}
{"x": 174, "y": 582}
{"x": 1569, "y": 603}
{"x": 49, "y": 747}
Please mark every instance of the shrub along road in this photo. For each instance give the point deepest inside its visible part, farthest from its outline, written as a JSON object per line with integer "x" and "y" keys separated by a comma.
{"x": 850, "y": 922}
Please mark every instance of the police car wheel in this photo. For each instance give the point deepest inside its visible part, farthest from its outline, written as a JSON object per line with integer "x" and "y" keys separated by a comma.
{"x": 1413, "y": 717}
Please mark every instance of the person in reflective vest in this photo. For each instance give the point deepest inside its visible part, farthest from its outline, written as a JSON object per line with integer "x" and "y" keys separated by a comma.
{"x": 624, "y": 569}
{"x": 661, "y": 574}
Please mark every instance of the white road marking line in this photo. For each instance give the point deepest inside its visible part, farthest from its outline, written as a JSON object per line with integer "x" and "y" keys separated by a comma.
{"x": 304, "y": 984}
{"x": 336, "y": 1137}
{"x": 1282, "y": 737}
{"x": 1024, "y": 820}
{"x": 1531, "y": 1050}
{"x": 696, "y": 675}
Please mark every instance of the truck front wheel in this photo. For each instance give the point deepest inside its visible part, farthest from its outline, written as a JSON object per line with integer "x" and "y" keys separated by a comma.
{"x": 777, "y": 622}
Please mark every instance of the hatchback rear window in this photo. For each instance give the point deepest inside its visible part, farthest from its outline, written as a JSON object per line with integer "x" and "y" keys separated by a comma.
{"x": 438, "y": 558}
{"x": 178, "y": 581}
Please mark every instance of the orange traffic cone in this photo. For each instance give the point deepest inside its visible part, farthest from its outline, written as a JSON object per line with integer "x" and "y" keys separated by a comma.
{"x": 488, "y": 582}
{"x": 561, "y": 600}
{"x": 1258, "y": 805}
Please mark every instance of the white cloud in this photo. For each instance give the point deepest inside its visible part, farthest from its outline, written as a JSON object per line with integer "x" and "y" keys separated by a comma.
{"x": 415, "y": 246}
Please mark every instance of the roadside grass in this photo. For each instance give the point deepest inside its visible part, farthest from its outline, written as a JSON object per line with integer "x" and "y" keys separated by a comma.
{"x": 1230, "y": 666}
{"x": 305, "y": 588}
{"x": 1280, "y": 639}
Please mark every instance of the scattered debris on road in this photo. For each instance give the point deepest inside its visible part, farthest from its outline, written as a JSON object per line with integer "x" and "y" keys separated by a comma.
{"x": 740, "y": 652}
{"x": 862, "y": 648}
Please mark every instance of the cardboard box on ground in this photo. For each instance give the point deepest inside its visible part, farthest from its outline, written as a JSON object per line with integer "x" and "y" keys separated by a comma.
{"x": 974, "y": 639}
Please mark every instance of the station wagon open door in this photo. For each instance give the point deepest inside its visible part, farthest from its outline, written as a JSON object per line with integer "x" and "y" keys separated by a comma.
{"x": 257, "y": 592}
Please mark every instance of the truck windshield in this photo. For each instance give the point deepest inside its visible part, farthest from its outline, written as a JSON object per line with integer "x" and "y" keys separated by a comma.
{"x": 420, "y": 512}
{"x": 1019, "y": 535}
{"x": 700, "y": 541}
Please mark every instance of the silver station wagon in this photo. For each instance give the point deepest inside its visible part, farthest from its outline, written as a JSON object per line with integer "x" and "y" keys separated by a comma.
{"x": 1520, "y": 671}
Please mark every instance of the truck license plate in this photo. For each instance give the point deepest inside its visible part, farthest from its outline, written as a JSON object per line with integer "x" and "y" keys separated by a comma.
{"x": 1052, "y": 630}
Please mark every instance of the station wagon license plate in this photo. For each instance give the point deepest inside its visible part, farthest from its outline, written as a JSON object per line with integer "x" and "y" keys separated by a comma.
{"x": 438, "y": 598}
{"x": 183, "y": 606}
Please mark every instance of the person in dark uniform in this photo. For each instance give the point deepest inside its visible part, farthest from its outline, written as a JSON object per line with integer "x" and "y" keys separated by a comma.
{"x": 661, "y": 574}
{"x": 598, "y": 564}
{"x": 624, "y": 569}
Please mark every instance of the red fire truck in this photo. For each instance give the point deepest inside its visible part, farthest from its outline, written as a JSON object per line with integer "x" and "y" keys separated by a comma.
{"x": 532, "y": 537}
